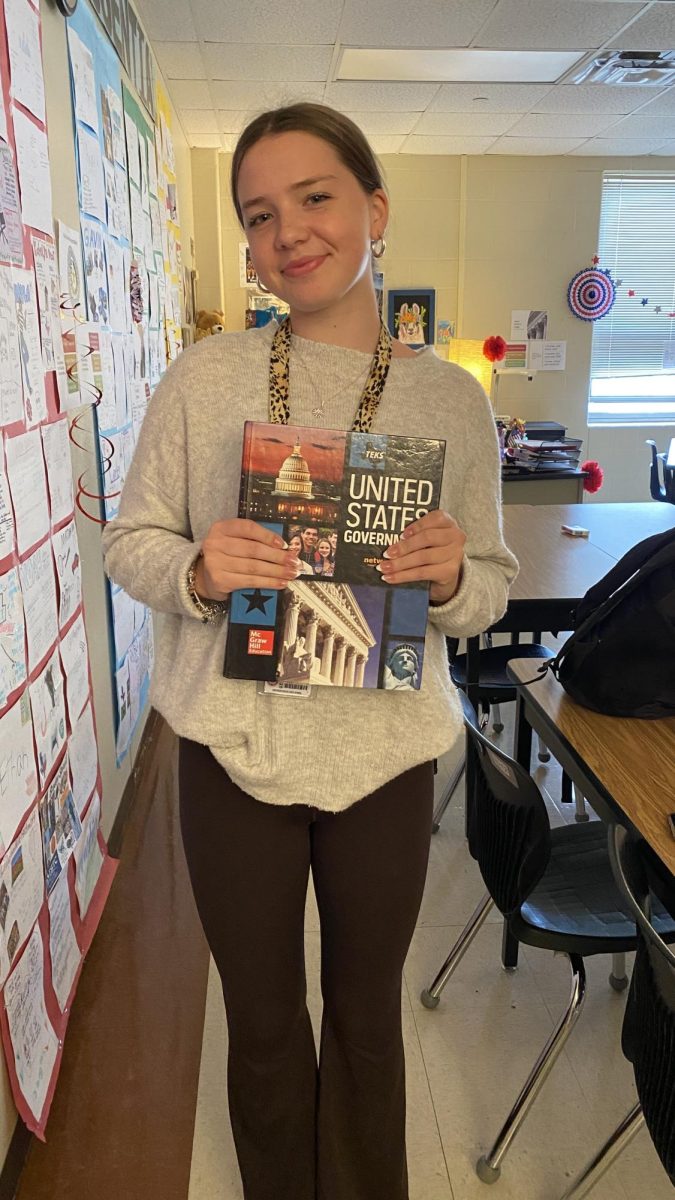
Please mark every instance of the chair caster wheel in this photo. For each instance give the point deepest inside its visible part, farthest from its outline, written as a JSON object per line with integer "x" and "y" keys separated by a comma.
{"x": 544, "y": 756}
{"x": 619, "y": 983}
{"x": 435, "y": 827}
{"x": 498, "y": 727}
{"x": 485, "y": 1172}
{"x": 581, "y": 817}
{"x": 428, "y": 1000}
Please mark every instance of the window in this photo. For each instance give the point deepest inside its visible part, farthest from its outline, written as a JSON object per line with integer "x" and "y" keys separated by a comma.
{"x": 633, "y": 356}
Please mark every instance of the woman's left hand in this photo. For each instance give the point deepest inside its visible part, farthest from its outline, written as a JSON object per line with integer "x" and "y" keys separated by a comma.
{"x": 430, "y": 549}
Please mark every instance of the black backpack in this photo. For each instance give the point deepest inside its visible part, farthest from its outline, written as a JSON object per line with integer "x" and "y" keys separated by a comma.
{"x": 620, "y": 660}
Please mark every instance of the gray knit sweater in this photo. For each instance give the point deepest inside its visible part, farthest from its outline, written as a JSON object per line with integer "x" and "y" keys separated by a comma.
{"x": 341, "y": 743}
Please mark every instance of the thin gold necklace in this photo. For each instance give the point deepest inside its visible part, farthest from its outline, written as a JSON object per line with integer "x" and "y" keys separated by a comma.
{"x": 319, "y": 412}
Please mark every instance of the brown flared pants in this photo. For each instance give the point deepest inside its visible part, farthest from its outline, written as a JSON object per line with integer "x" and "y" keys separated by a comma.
{"x": 335, "y": 1131}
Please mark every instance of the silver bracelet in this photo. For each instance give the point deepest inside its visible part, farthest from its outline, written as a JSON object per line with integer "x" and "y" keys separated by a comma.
{"x": 207, "y": 609}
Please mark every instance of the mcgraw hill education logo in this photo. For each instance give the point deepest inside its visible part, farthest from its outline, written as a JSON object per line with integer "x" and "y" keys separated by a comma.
{"x": 261, "y": 641}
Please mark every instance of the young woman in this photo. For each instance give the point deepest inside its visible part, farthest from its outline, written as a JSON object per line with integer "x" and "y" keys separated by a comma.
{"x": 309, "y": 194}
{"x": 324, "y": 566}
{"x": 295, "y": 549}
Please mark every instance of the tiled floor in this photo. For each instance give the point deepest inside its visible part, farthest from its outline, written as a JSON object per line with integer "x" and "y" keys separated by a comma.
{"x": 467, "y": 1059}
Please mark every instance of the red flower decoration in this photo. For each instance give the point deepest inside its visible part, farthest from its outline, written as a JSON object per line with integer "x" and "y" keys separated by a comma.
{"x": 595, "y": 476}
{"x": 494, "y": 348}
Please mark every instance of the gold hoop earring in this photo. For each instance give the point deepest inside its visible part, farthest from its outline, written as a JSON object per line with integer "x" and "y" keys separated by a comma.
{"x": 378, "y": 247}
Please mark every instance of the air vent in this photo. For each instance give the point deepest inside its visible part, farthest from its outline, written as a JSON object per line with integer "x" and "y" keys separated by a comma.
{"x": 644, "y": 68}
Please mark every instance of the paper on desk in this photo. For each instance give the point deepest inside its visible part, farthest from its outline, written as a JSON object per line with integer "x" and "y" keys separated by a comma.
{"x": 49, "y": 715}
{"x": 18, "y": 773}
{"x": 25, "y": 59}
{"x": 75, "y": 661}
{"x": 34, "y": 1042}
{"x": 22, "y": 889}
{"x": 32, "y": 154}
{"x": 28, "y": 486}
{"x": 30, "y": 350}
{"x": 39, "y": 601}
{"x": 12, "y": 654}
{"x": 11, "y": 386}
{"x": 56, "y": 446}
{"x": 63, "y": 948}
{"x": 60, "y": 824}
{"x": 88, "y": 857}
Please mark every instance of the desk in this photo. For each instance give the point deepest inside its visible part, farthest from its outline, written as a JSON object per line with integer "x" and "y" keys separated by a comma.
{"x": 625, "y": 767}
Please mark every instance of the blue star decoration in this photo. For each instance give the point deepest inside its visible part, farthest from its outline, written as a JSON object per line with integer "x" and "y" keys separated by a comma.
{"x": 643, "y": 302}
{"x": 257, "y": 600}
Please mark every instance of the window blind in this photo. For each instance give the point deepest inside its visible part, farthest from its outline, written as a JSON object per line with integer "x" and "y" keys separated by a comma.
{"x": 632, "y": 363}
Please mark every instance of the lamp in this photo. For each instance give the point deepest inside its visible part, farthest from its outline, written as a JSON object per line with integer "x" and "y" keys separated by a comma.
{"x": 468, "y": 353}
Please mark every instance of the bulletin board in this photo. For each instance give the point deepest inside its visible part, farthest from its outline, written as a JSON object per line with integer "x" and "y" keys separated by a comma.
{"x": 55, "y": 872}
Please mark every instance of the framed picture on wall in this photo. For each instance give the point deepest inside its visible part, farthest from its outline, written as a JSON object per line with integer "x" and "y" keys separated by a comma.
{"x": 412, "y": 315}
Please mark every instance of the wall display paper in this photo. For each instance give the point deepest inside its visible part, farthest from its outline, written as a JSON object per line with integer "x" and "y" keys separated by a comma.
{"x": 64, "y": 951}
{"x": 88, "y": 856}
{"x": 22, "y": 889}
{"x": 18, "y": 771}
{"x": 12, "y": 633}
{"x": 28, "y": 487}
{"x": 47, "y": 347}
{"x": 83, "y": 758}
{"x": 47, "y": 704}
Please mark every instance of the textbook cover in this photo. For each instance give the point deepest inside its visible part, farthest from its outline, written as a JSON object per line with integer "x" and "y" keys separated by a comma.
{"x": 339, "y": 499}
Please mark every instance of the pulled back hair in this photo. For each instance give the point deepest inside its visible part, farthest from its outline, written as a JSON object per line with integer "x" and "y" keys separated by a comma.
{"x": 349, "y": 143}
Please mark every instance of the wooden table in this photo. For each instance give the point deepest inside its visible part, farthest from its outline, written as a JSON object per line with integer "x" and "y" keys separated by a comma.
{"x": 623, "y": 766}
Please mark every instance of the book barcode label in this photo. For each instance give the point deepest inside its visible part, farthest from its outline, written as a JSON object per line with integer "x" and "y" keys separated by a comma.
{"x": 302, "y": 691}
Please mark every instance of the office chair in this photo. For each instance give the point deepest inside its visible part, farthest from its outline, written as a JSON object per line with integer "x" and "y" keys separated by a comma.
{"x": 648, "y": 1037}
{"x": 555, "y": 888}
{"x": 495, "y": 688}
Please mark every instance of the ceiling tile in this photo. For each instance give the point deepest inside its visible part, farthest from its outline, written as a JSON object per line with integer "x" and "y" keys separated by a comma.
{"x": 594, "y": 98}
{"x": 232, "y": 120}
{"x": 446, "y": 145}
{"x": 258, "y": 96}
{"x": 180, "y": 60}
{"x": 377, "y": 122}
{"x": 384, "y": 143}
{"x": 604, "y": 147}
{"x": 562, "y": 125}
{"x": 554, "y": 24}
{"x": 190, "y": 93}
{"x": 199, "y": 120}
{"x": 295, "y": 22}
{"x": 646, "y": 125}
{"x": 226, "y": 61}
{"x": 204, "y": 141}
{"x": 667, "y": 148}
{"x": 167, "y": 20}
{"x": 229, "y": 141}
{"x": 486, "y": 124}
{"x": 664, "y": 102}
{"x": 495, "y": 97}
{"x": 357, "y": 96}
{"x": 525, "y": 146}
{"x": 654, "y": 31}
{"x": 425, "y": 23}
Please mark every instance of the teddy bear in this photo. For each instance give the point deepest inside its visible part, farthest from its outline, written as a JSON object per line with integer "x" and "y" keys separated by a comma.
{"x": 209, "y": 320}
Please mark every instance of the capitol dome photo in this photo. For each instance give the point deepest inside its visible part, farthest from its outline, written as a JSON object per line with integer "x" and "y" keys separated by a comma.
{"x": 294, "y": 479}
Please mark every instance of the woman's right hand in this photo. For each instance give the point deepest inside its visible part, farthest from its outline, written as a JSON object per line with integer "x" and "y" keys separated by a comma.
{"x": 239, "y": 553}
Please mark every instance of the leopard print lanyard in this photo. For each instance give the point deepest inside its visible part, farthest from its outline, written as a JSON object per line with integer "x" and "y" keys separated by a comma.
{"x": 279, "y": 410}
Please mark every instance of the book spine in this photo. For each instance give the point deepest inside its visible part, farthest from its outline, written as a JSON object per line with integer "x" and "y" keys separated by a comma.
{"x": 243, "y": 506}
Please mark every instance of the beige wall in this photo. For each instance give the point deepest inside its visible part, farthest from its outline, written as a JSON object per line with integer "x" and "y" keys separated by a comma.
{"x": 491, "y": 234}
{"x": 65, "y": 205}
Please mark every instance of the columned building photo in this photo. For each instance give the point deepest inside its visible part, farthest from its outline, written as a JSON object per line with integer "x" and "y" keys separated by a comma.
{"x": 326, "y": 637}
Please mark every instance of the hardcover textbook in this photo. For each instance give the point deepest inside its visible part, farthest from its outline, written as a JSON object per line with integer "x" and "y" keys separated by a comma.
{"x": 339, "y": 499}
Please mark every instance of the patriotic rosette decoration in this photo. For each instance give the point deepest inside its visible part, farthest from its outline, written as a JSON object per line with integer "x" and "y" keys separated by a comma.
{"x": 591, "y": 294}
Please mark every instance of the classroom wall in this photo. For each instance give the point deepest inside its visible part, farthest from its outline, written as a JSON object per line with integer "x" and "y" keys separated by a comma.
{"x": 65, "y": 204}
{"x": 494, "y": 233}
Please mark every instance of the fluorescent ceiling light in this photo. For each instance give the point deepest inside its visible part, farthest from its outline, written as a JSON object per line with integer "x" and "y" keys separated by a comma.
{"x": 458, "y": 66}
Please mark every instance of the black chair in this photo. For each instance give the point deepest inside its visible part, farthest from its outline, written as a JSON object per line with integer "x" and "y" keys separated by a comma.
{"x": 648, "y": 1038}
{"x": 492, "y": 689}
{"x": 554, "y": 887}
